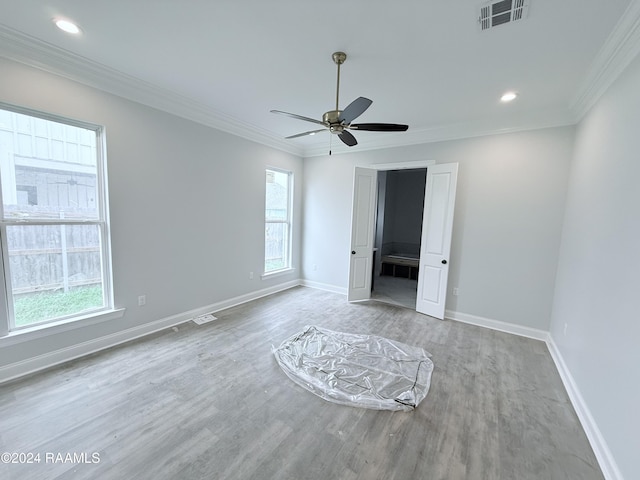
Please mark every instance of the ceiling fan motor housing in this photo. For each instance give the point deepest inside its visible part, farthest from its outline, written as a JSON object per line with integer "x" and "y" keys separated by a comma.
{"x": 332, "y": 120}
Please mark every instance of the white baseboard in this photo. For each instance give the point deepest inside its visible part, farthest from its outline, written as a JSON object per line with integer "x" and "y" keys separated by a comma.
{"x": 512, "y": 328}
{"x": 324, "y": 286}
{"x": 598, "y": 444}
{"x": 50, "y": 359}
{"x": 239, "y": 300}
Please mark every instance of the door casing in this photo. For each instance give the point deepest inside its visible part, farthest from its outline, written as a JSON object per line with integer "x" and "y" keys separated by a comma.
{"x": 360, "y": 280}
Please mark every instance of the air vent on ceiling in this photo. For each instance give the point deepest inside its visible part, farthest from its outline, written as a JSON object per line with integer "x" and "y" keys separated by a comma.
{"x": 500, "y": 12}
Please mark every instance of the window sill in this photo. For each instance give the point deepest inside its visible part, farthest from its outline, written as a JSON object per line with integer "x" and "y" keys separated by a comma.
{"x": 39, "y": 331}
{"x": 277, "y": 273}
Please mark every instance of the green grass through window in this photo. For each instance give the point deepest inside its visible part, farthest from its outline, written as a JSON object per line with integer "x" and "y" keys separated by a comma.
{"x": 37, "y": 307}
{"x": 274, "y": 264}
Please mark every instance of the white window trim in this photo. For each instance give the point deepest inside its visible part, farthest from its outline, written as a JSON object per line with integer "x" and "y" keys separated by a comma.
{"x": 289, "y": 221}
{"x": 277, "y": 273}
{"x": 16, "y": 335}
{"x": 53, "y": 328}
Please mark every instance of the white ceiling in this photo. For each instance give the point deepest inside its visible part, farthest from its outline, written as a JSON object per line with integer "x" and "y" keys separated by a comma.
{"x": 426, "y": 63}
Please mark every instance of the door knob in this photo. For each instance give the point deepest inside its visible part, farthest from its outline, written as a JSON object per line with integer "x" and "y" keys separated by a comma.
{"x": 444, "y": 262}
{"x": 353, "y": 252}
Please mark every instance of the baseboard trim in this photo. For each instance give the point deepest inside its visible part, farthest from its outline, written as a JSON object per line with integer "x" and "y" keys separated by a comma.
{"x": 50, "y": 359}
{"x": 41, "y": 362}
{"x": 600, "y": 448}
{"x": 512, "y": 328}
{"x": 324, "y": 286}
{"x": 605, "y": 459}
{"x": 248, "y": 297}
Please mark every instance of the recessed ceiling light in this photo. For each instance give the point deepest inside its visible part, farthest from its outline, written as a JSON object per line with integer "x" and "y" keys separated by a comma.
{"x": 508, "y": 97}
{"x": 67, "y": 26}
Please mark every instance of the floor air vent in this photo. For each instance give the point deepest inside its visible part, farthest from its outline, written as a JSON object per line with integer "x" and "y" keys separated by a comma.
{"x": 500, "y": 12}
{"x": 206, "y": 318}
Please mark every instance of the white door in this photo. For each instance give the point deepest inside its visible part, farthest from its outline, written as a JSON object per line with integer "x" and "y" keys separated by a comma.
{"x": 365, "y": 189}
{"x": 437, "y": 224}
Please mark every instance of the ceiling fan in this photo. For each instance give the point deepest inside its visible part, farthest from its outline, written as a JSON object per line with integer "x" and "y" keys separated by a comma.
{"x": 339, "y": 121}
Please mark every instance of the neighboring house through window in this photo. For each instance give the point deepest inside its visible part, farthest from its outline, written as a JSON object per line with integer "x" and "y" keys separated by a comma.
{"x": 277, "y": 255}
{"x": 55, "y": 256}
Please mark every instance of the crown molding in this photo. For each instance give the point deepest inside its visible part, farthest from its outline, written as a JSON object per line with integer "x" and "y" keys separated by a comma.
{"x": 478, "y": 128}
{"x": 620, "y": 48}
{"x": 35, "y": 53}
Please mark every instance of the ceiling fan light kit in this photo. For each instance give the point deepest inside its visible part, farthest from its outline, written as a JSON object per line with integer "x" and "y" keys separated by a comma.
{"x": 339, "y": 121}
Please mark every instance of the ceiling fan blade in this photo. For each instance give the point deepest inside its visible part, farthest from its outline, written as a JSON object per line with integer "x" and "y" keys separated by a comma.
{"x": 380, "y": 127}
{"x": 354, "y": 110}
{"x": 347, "y": 138}
{"x": 305, "y": 133}
{"x": 299, "y": 117}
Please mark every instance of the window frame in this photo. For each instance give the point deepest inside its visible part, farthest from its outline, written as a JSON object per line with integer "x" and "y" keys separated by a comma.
{"x": 288, "y": 221}
{"x": 107, "y": 311}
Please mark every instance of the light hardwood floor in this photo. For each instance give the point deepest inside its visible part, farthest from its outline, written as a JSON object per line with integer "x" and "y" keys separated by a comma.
{"x": 210, "y": 402}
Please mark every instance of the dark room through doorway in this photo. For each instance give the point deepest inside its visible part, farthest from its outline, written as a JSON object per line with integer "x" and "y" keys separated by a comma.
{"x": 398, "y": 234}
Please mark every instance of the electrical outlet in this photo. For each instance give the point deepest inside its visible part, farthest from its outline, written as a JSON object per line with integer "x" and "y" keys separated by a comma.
{"x": 250, "y": 275}
{"x": 315, "y": 267}
{"x": 456, "y": 292}
{"x": 142, "y": 300}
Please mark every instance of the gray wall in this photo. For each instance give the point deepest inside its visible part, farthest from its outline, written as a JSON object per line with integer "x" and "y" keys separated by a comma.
{"x": 186, "y": 201}
{"x": 598, "y": 279}
{"x": 508, "y": 219}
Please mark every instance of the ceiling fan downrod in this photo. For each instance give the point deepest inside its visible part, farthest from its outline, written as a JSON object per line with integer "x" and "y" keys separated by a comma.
{"x": 338, "y": 58}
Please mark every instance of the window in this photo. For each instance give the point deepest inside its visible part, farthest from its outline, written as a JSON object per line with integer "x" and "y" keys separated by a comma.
{"x": 54, "y": 254}
{"x": 277, "y": 251}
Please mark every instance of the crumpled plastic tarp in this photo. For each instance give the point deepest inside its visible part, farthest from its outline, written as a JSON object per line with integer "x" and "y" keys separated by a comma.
{"x": 358, "y": 370}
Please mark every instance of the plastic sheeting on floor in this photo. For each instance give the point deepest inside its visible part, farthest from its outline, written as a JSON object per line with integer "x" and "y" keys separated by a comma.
{"x": 358, "y": 370}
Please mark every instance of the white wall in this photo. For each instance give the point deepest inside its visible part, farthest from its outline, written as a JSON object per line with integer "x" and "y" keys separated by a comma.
{"x": 508, "y": 218}
{"x": 598, "y": 282}
{"x": 186, "y": 201}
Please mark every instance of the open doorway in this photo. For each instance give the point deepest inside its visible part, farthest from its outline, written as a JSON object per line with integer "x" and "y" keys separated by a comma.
{"x": 398, "y": 232}
{"x": 435, "y": 240}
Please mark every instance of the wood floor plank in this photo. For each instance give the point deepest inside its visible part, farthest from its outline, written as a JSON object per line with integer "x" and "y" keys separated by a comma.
{"x": 210, "y": 402}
